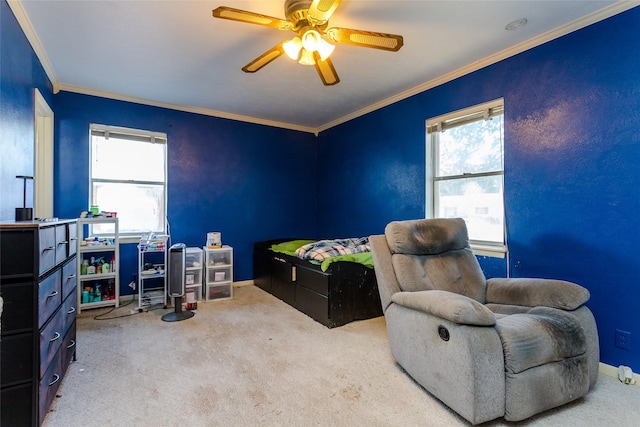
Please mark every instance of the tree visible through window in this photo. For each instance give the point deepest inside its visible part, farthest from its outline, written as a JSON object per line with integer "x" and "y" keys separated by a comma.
{"x": 466, "y": 170}
{"x": 128, "y": 176}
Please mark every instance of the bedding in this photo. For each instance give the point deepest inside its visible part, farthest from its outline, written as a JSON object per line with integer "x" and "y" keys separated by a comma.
{"x": 323, "y": 249}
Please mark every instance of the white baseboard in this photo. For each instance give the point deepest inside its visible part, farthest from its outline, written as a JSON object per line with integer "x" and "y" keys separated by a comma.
{"x": 243, "y": 283}
{"x": 612, "y": 371}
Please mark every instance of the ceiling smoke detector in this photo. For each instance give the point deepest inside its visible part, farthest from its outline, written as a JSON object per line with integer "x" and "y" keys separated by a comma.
{"x": 516, "y": 25}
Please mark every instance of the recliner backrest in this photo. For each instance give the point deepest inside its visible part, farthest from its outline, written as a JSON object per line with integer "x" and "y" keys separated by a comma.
{"x": 434, "y": 254}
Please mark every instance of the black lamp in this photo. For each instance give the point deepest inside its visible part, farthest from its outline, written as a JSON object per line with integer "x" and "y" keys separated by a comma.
{"x": 24, "y": 213}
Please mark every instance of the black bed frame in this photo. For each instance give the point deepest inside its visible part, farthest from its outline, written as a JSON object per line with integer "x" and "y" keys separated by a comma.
{"x": 347, "y": 291}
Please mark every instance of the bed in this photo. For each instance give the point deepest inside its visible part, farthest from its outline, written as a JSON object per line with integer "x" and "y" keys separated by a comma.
{"x": 334, "y": 291}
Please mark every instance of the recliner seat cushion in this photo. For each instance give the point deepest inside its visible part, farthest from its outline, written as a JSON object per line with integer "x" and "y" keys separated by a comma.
{"x": 543, "y": 335}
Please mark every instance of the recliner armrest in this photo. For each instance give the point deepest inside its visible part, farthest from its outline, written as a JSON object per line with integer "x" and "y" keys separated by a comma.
{"x": 533, "y": 292}
{"x": 447, "y": 305}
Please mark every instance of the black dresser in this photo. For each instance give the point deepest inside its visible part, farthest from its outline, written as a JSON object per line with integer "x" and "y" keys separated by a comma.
{"x": 38, "y": 286}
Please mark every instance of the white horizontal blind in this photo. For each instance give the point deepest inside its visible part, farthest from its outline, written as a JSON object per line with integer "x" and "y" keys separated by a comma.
{"x": 466, "y": 116}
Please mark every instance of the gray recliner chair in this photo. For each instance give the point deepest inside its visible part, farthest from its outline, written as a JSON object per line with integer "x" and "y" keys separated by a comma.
{"x": 491, "y": 348}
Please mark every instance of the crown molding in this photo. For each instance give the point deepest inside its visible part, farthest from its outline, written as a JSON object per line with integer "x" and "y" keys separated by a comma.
{"x": 585, "y": 21}
{"x": 607, "y": 12}
{"x": 32, "y": 37}
{"x": 188, "y": 109}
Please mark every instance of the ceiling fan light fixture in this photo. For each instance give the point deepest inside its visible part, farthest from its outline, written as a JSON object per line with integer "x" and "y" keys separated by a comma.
{"x": 325, "y": 49}
{"x": 292, "y": 48}
{"x": 311, "y": 40}
{"x": 306, "y": 58}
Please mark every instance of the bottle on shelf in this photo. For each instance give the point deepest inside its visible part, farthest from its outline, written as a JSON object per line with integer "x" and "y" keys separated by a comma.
{"x": 91, "y": 268}
{"x": 83, "y": 267}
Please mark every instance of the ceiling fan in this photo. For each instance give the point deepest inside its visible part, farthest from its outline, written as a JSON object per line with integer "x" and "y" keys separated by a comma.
{"x": 313, "y": 43}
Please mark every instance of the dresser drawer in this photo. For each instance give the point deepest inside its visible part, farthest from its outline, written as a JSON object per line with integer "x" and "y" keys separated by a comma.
{"x": 283, "y": 280}
{"x": 283, "y": 270}
{"x": 14, "y": 244}
{"x": 312, "y": 304}
{"x": 69, "y": 310}
{"x": 72, "y": 234}
{"x": 62, "y": 243}
{"x": 15, "y": 406}
{"x": 69, "y": 280}
{"x": 49, "y": 385}
{"x": 17, "y": 358}
{"x": 47, "y": 249}
{"x": 17, "y": 310}
{"x": 314, "y": 280}
{"x": 69, "y": 347}
{"x": 49, "y": 296}
{"x": 51, "y": 337}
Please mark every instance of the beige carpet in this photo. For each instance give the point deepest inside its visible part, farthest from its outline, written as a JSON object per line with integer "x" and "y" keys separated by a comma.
{"x": 255, "y": 361}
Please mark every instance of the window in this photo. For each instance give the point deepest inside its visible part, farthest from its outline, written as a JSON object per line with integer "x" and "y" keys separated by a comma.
{"x": 128, "y": 171}
{"x": 466, "y": 170}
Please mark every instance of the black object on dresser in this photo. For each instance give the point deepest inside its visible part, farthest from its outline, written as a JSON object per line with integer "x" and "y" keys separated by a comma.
{"x": 38, "y": 285}
{"x": 347, "y": 291}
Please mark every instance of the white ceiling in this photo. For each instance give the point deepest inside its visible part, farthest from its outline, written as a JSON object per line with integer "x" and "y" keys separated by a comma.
{"x": 175, "y": 54}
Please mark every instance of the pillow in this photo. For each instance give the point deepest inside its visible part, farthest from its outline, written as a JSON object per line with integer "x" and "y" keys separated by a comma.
{"x": 427, "y": 236}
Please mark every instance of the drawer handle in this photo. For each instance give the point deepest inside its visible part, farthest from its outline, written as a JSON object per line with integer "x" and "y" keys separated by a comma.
{"x": 71, "y": 276}
{"x": 73, "y": 238}
{"x": 72, "y": 344}
{"x": 55, "y": 337}
{"x": 50, "y": 248}
{"x": 57, "y": 378}
{"x": 73, "y": 310}
{"x": 53, "y": 294}
{"x": 64, "y": 242}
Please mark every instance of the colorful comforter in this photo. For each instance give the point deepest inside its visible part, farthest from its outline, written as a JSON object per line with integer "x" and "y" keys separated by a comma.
{"x": 324, "y": 249}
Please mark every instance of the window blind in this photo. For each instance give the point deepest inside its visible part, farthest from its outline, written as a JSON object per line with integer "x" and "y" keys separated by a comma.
{"x": 465, "y": 116}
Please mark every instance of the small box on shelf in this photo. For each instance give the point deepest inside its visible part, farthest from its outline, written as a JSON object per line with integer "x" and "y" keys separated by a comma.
{"x": 218, "y": 292}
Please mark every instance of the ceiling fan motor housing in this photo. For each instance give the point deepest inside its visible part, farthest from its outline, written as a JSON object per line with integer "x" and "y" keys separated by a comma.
{"x": 296, "y": 10}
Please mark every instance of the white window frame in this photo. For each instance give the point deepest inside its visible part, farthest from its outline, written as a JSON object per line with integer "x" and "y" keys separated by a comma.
{"x": 449, "y": 120}
{"x": 139, "y": 135}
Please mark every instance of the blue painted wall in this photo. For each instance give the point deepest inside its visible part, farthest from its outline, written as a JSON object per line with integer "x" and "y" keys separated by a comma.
{"x": 572, "y": 146}
{"x": 20, "y": 73}
{"x": 223, "y": 175}
{"x": 572, "y": 150}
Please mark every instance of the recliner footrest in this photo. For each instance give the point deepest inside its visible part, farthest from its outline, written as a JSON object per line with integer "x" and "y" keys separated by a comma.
{"x": 543, "y": 335}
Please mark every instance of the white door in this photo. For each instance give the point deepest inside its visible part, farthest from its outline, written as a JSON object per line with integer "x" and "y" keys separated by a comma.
{"x": 43, "y": 178}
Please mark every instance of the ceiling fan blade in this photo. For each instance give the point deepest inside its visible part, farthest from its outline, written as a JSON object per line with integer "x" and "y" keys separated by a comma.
{"x": 251, "y": 18}
{"x": 361, "y": 38}
{"x": 321, "y": 10}
{"x": 264, "y": 59}
{"x": 325, "y": 70}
